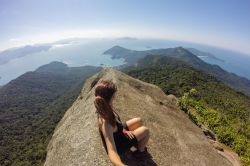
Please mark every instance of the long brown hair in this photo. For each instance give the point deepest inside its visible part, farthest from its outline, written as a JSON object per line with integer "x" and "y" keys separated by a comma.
{"x": 104, "y": 92}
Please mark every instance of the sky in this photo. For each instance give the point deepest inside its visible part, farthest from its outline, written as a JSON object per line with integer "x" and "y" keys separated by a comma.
{"x": 221, "y": 23}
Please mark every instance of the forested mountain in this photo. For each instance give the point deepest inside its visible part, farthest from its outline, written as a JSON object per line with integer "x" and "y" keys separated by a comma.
{"x": 174, "y": 139}
{"x": 32, "y": 105}
{"x": 131, "y": 57}
{"x": 202, "y": 54}
{"x": 207, "y": 100}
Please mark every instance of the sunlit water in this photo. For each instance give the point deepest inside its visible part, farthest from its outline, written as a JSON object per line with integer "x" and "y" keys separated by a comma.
{"x": 90, "y": 52}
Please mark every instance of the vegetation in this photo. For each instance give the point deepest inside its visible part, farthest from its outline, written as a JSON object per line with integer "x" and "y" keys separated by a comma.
{"x": 229, "y": 130}
{"x": 32, "y": 105}
{"x": 206, "y": 100}
{"x": 30, "y": 108}
{"x": 232, "y": 80}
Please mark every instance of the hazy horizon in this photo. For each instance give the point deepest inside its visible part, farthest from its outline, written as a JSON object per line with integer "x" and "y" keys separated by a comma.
{"x": 80, "y": 52}
{"x": 222, "y": 24}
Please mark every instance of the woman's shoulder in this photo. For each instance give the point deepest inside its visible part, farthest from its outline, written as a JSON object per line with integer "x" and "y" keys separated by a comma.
{"x": 102, "y": 122}
{"x": 105, "y": 125}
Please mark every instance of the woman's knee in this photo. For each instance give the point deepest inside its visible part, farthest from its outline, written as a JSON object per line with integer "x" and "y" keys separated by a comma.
{"x": 134, "y": 123}
{"x": 146, "y": 130}
{"x": 141, "y": 132}
{"x": 139, "y": 120}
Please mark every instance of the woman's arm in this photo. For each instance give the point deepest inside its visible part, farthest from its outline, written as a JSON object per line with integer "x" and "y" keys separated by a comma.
{"x": 109, "y": 139}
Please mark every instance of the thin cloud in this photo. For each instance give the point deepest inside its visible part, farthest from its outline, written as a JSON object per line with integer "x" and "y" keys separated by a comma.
{"x": 14, "y": 39}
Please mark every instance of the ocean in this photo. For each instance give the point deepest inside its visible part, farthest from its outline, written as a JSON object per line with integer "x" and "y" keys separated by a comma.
{"x": 82, "y": 52}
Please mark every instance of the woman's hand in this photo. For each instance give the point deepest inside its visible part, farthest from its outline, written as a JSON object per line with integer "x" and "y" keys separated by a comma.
{"x": 129, "y": 133}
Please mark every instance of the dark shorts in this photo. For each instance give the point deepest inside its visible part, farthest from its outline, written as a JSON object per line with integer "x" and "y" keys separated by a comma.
{"x": 123, "y": 142}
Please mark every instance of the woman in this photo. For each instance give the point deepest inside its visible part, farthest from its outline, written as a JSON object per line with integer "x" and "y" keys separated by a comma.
{"x": 118, "y": 137}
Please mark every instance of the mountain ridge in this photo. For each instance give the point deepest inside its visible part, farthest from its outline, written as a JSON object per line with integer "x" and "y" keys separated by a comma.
{"x": 131, "y": 57}
{"x": 201, "y": 54}
{"x": 206, "y": 100}
{"x": 175, "y": 140}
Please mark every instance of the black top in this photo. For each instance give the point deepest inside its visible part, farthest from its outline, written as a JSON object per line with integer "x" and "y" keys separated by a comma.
{"x": 122, "y": 140}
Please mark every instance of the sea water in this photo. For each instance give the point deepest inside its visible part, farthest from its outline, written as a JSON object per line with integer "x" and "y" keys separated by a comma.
{"x": 90, "y": 52}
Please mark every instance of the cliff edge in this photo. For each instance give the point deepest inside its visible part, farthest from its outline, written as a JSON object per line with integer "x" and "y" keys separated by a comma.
{"x": 174, "y": 140}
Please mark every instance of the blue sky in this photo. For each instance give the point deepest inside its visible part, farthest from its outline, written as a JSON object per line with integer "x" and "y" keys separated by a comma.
{"x": 222, "y": 23}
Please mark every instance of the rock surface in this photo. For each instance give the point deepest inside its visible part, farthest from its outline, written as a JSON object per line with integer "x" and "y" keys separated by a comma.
{"x": 175, "y": 140}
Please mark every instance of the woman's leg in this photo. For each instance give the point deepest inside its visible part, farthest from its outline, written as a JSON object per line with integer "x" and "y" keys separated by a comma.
{"x": 134, "y": 123}
{"x": 142, "y": 136}
{"x": 141, "y": 132}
